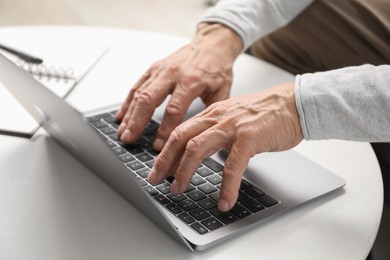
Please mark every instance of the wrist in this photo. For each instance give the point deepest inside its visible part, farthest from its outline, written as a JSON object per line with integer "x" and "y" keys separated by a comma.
{"x": 219, "y": 36}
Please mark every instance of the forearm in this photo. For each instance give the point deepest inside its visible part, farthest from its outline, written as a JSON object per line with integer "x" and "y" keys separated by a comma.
{"x": 350, "y": 104}
{"x": 253, "y": 19}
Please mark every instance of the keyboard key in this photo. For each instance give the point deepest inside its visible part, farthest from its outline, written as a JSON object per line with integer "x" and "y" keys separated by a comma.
{"x": 125, "y": 158}
{"x": 97, "y": 117}
{"x": 152, "y": 152}
{"x": 254, "y": 193}
{"x": 108, "y": 131}
{"x": 252, "y": 205}
{"x": 133, "y": 149}
{"x": 196, "y": 195}
{"x": 143, "y": 172}
{"x": 188, "y": 205}
{"x": 114, "y": 137}
{"x": 99, "y": 124}
{"x": 110, "y": 119}
{"x": 186, "y": 218}
{"x": 215, "y": 195}
{"x": 170, "y": 179}
{"x": 199, "y": 228}
{"x": 110, "y": 143}
{"x": 207, "y": 204}
{"x": 204, "y": 171}
{"x": 176, "y": 198}
{"x": 214, "y": 179}
{"x": 239, "y": 211}
{"x": 267, "y": 200}
{"x": 140, "y": 181}
{"x": 245, "y": 185}
{"x": 211, "y": 223}
{"x": 164, "y": 188}
{"x": 197, "y": 180}
{"x": 224, "y": 217}
{"x": 153, "y": 125}
{"x": 150, "y": 164}
{"x": 199, "y": 214}
{"x": 118, "y": 150}
{"x": 162, "y": 199}
{"x": 190, "y": 188}
{"x": 212, "y": 164}
{"x": 144, "y": 157}
{"x": 135, "y": 165}
{"x": 174, "y": 208}
{"x": 242, "y": 196}
{"x": 207, "y": 188}
{"x": 152, "y": 191}
{"x": 144, "y": 144}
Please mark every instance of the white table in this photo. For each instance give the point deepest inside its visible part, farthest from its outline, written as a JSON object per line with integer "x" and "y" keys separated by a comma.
{"x": 52, "y": 207}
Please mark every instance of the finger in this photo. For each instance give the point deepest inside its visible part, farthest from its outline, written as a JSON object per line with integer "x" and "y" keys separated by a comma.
{"x": 144, "y": 104}
{"x": 197, "y": 149}
{"x": 174, "y": 148}
{"x": 130, "y": 108}
{"x": 214, "y": 97}
{"x": 122, "y": 110}
{"x": 150, "y": 95}
{"x": 176, "y": 109}
{"x": 234, "y": 168}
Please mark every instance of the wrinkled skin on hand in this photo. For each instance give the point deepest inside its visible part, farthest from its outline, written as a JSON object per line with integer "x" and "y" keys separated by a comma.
{"x": 244, "y": 126}
{"x": 202, "y": 68}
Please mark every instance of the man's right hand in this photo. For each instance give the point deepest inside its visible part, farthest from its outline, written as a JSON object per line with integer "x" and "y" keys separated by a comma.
{"x": 202, "y": 68}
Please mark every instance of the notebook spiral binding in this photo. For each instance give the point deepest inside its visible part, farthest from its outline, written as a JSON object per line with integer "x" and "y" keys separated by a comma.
{"x": 45, "y": 72}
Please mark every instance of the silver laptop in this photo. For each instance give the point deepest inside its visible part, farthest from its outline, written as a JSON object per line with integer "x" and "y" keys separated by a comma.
{"x": 274, "y": 183}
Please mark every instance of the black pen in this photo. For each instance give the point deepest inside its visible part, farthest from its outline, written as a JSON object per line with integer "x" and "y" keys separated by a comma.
{"x": 24, "y": 56}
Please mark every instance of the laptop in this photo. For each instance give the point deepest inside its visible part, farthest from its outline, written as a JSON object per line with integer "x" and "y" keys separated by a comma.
{"x": 273, "y": 183}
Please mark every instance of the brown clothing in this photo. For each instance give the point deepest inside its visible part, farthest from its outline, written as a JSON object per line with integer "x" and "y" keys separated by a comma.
{"x": 330, "y": 34}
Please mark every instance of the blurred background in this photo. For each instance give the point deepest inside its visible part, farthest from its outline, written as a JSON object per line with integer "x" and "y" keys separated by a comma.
{"x": 176, "y": 17}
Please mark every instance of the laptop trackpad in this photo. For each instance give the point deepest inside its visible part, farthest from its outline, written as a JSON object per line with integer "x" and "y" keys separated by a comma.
{"x": 291, "y": 177}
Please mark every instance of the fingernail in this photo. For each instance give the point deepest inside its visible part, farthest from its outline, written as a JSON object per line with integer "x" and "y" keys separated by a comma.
{"x": 121, "y": 127}
{"x": 175, "y": 187}
{"x": 158, "y": 144}
{"x": 223, "y": 205}
{"x": 125, "y": 137}
{"x": 152, "y": 176}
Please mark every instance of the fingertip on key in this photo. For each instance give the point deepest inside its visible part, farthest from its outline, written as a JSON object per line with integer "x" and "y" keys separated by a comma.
{"x": 158, "y": 144}
{"x": 126, "y": 136}
{"x": 152, "y": 177}
{"x": 121, "y": 128}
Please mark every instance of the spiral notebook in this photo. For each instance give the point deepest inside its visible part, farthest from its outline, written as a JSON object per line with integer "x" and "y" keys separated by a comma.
{"x": 61, "y": 70}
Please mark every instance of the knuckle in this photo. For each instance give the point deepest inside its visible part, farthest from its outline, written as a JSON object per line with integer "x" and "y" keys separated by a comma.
{"x": 190, "y": 78}
{"x": 193, "y": 145}
{"x": 155, "y": 66}
{"x": 177, "y": 135}
{"x": 133, "y": 91}
{"x": 244, "y": 134}
{"x": 144, "y": 97}
{"x": 161, "y": 161}
{"x": 230, "y": 170}
{"x": 172, "y": 68}
{"x": 219, "y": 108}
{"x": 174, "y": 109}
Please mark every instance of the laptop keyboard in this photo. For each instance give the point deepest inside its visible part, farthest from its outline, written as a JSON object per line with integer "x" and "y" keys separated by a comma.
{"x": 197, "y": 206}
